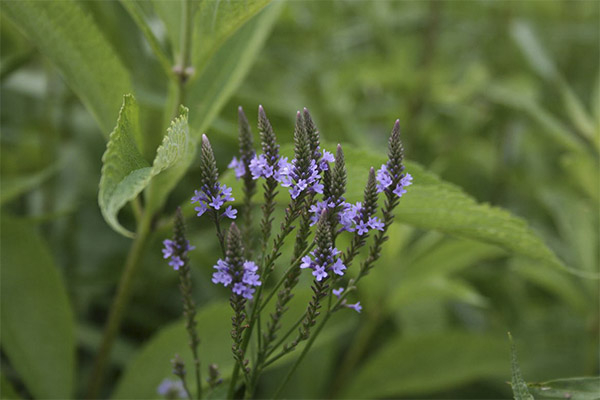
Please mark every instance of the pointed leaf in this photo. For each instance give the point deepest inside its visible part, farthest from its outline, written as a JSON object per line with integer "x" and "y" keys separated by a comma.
{"x": 125, "y": 173}
{"x": 38, "y": 333}
{"x": 71, "y": 39}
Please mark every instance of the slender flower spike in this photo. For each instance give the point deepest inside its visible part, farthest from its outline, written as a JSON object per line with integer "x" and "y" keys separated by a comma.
{"x": 391, "y": 176}
{"x": 212, "y": 195}
{"x": 234, "y": 272}
{"x": 241, "y": 165}
{"x": 323, "y": 261}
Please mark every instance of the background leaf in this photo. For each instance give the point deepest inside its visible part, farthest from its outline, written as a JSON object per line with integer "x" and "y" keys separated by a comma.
{"x": 37, "y": 320}
{"x": 586, "y": 388}
{"x": 71, "y": 39}
{"x": 125, "y": 173}
{"x": 424, "y": 364}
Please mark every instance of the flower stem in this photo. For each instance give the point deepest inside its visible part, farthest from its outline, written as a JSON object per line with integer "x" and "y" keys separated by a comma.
{"x": 119, "y": 305}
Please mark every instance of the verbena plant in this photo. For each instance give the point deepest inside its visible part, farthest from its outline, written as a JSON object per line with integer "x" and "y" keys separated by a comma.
{"x": 317, "y": 212}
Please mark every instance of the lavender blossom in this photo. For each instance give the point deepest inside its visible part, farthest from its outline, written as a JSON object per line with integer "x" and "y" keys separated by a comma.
{"x": 171, "y": 389}
{"x": 384, "y": 181}
{"x": 243, "y": 281}
{"x": 322, "y": 261}
{"x": 175, "y": 252}
{"x": 356, "y": 307}
{"x": 238, "y": 167}
{"x": 214, "y": 199}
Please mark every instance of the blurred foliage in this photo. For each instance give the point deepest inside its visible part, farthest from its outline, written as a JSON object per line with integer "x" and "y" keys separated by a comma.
{"x": 499, "y": 98}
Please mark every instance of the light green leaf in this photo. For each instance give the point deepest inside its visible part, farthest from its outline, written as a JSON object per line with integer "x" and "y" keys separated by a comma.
{"x": 534, "y": 52}
{"x": 519, "y": 386}
{"x": 439, "y": 288}
{"x": 216, "y": 21}
{"x": 70, "y": 38}
{"x": 125, "y": 173}
{"x": 226, "y": 69}
{"x": 37, "y": 321}
{"x": 425, "y": 364}
{"x": 585, "y": 388}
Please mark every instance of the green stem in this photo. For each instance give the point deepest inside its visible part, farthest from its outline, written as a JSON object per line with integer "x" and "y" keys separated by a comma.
{"x": 119, "y": 305}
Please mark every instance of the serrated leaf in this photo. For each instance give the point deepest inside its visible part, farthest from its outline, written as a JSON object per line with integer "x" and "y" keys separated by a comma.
{"x": 517, "y": 382}
{"x": 584, "y": 388}
{"x": 37, "y": 321}
{"x": 226, "y": 69}
{"x": 125, "y": 173}
{"x": 417, "y": 365}
{"x": 71, "y": 39}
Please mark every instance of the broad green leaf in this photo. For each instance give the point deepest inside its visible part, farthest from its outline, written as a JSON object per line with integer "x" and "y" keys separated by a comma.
{"x": 585, "y": 388}
{"x": 14, "y": 186}
{"x": 38, "y": 333}
{"x": 70, "y": 38}
{"x": 517, "y": 382}
{"x": 440, "y": 288}
{"x": 216, "y": 21}
{"x": 152, "y": 364}
{"x": 425, "y": 364}
{"x": 226, "y": 69}
{"x": 125, "y": 173}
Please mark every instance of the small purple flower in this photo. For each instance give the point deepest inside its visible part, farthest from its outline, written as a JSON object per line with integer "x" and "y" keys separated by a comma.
{"x": 319, "y": 273}
{"x": 383, "y": 179}
{"x": 338, "y": 292}
{"x": 338, "y": 267}
{"x": 171, "y": 389}
{"x": 325, "y": 160}
{"x": 173, "y": 251}
{"x": 214, "y": 199}
{"x": 356, "y": 307}
{"x": 362, "y": 227}
{"x": 243, "y": 281}
{"x": 375, "y": 223}
{"x": 230, "y": 212}
{"x": 306, "y": 262}
{"x": 238, "y": 167}
{"x": 404, "y": 182}
{"x": 259, "y": 167}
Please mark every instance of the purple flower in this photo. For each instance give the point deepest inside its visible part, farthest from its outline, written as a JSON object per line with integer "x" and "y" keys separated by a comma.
{"x": 317, "y": 210}
{"x": 362, "y": 227}
{"x": 338, "y": 292}
{"x": 404, "y": 182}
{"x": 357, "y": 307}
{"x": 173, "y": 251}
{"x": 230, "y": 212}
{"x": 290, "y": 175}
{"x": 383, "y": 178}
{"x": 243, "y": 281}
{"x": 259, "y": 167}
{"x": 375, "y": 223}
{"x": 171, "y": 389}
{"x": 214, "y": 199}
{"x": 322, "y": 261}
{"x": 238, "y": 167}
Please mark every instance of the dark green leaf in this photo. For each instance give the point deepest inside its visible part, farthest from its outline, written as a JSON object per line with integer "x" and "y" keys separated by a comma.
{"x": 38, "y": 333}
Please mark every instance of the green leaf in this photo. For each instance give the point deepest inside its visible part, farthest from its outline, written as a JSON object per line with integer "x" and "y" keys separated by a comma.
{"x": 152, "y": 364}
{"x": 226, "y": 69}
{"x": 7, "y": 390}
{"x": 585, "y": 388}
{"x": 434, "y": 204}
{"x": 425, "y": 364}
{"x": 534, "y": 52}
{"x": 14, "y": 186}
{"x": 519, "y": 386}
{"x": 216, "y": 21}
{"x": 70, "y": 38}
{"x": 125, "y": 173}
{"x": 38, "y": 333}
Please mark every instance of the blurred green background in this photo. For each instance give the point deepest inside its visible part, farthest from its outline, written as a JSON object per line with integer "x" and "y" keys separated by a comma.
{"x": 501, "y": 98}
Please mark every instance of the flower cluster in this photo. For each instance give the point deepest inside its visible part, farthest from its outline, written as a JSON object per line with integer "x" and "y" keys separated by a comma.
{"x": 171, "y": 389}
{"x": 238, "y": 167}
{"x": 352, "y": 217}
{"x": 243, "y": 281}
{"x": 214, "y": 199}
{"x": 385, "y": 180}
{"x": 323, "y": 260}
{"x": 175, "y": 252}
